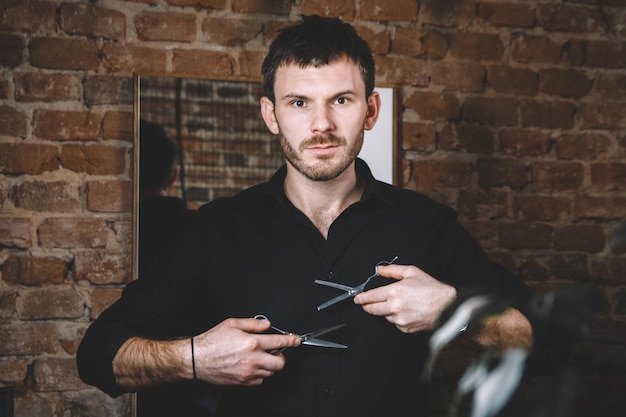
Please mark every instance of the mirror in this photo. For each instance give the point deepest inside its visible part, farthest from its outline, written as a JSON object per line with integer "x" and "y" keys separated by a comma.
{"x": 224, "y": 147}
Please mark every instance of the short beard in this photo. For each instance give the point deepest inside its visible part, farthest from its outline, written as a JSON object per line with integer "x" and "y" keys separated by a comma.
{"x": 322, "y": 170}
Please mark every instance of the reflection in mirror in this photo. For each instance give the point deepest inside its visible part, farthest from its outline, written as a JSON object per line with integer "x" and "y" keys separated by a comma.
{"x": 217, "y": 126}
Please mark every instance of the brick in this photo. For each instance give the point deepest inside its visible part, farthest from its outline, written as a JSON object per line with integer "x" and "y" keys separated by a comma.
{"x": 118, "y": 57}
{"x": 526, "y": 235}
{"x": 199, "y": 4}
{"x": 609, "y": 270}
{"x": 32, "y": 16}
{"x": 548, "y": 114}
{"x": 165, "y": 26}
{"x": 482, "y": 204}
{"x": 466, "y": 77}
{"x": 118, "y": 125}
{"x": 13, "y": 371}
{"x": 587, "y": 238}
{"x": 73, "y": 232}
{"x": 522, "y": 142}
{"x": 108, "y": 90}
{"x": 402, "y": 70}
{"x": 543, "y": 267}
{"x": 605, "y": 54}
{"x": 92, "y": 20}
{"x": 44, "y": 87}
{"x": 64, "y": 53}
{"x": 56, "y": 374}
{"x": 611, "y": 175}
{"x": 50, "y": 302}
{"x": 583, "y": 146}
{"x": 12, "y": 47}
{"x": 56, "y": 196}
{"x": 194, "y": 62}
{"x": 343, "y": 9}
{"x": 27, "y": 158}
{"x": 470, "y": 138}
{"x": 104, "y": 267}
{"x": 95, "y": 403}
{"x": 408, "y": 41}
{"x": 102, "y": 298}
{"x": 508, "y": 80}
{"x": 379, "y": 41}
{"x": 557, "y": 176}
{"x": 66, "y": 125}
{"x": 12, "y": 122}
{"x": 448, "y": 14}
{"x": 500, "y": 172}
{"x": 94, "y": 159}
{"x": 484, "y": 231}
{"x": 8, "y": 301}
{"x": 231, "y": 32}
{"x": 35, "y": 270}
{"x": 476, "y": 46}
{"x": 493, "y": 111}
{"x": 564, "y": 83}
{"x": 610, "y": 86}
{"x": 536, "y": 49}
{"x": 27, "y": 339}
{"x": 109, "y": 196}
{"x": 15, "y": 232}
{"x": 250, "y": 63}
{"x": 574, "y": 52}
{"x": 541, "y": 207}
{"x": 403, "y": 10}
{"x": 603, "y": 115}
{"x": 599, "y": 207}
{"x": 418, "y": 137}
{"x": 4, "y": 89}
{"x": 571, "y": 18}
{"x": 507, "y": 14}
{"x": 433, "y": 106}
{"x": 434, "y": 174}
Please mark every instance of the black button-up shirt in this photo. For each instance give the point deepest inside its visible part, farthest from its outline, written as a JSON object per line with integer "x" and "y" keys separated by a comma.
{"x": 255, "y": 253}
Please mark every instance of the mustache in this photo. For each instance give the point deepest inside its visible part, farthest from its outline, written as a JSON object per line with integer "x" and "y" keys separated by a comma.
{"x": 316, "y": 140}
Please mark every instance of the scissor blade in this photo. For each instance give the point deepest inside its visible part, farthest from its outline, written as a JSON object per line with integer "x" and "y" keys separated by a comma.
{"x": 334, "y": 285}
{"x": 333, "y": 301}
{"x": 324, "y": 343}
{"x": 308, "y": 336}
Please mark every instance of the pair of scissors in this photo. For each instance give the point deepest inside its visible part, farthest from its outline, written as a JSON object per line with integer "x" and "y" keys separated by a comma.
{"x": 311, "y": 337}
{"x": 349, "y": 291}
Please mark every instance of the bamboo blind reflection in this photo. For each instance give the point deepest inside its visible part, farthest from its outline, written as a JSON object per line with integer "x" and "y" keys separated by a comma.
{"x": 225, "y": 144}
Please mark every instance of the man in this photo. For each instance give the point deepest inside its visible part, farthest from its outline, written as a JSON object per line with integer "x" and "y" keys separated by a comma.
{"x": 158, "y": 172}
{"x": 322, "y": 216}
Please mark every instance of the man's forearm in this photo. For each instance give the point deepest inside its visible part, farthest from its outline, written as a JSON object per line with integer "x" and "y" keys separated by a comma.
{"x": 140, "y": 363}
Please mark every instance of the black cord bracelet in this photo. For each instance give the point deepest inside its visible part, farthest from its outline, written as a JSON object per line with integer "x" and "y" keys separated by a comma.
{"x": 193, "y": 361}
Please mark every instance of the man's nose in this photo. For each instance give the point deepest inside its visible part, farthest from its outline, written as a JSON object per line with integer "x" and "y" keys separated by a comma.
{"x": 322, "y": 119}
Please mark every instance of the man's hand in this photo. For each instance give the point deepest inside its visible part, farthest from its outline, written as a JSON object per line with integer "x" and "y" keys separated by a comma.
{"x": 413, "y": 303}
{"x": 234, "y": 353}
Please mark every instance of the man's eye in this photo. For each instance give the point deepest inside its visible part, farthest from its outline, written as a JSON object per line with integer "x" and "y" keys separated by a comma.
{"x": 342, "y": 100}
{"x": 299, "y": 103}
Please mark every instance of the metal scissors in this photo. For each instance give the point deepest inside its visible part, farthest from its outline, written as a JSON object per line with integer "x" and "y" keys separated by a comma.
{"x": 311, "y": 337}
{"x": 349, "y": 291}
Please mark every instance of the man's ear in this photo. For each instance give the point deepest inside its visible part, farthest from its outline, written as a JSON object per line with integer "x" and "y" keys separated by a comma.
{"x": 267, "y": 111}
{"x": 373, "y": 110}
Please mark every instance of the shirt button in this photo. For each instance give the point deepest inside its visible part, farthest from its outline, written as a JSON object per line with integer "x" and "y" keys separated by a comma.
{"x": 330, "y": 275}
{"x": 329, "y": 391}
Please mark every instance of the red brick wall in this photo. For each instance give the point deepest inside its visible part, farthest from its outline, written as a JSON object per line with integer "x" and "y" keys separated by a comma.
{"x": 513, "y": 112}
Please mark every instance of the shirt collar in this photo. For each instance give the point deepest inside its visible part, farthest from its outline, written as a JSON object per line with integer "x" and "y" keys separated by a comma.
{"x": 374, "y": 189}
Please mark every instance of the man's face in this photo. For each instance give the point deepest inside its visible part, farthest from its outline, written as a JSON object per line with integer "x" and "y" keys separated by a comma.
{"x": 320, "y": 115}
